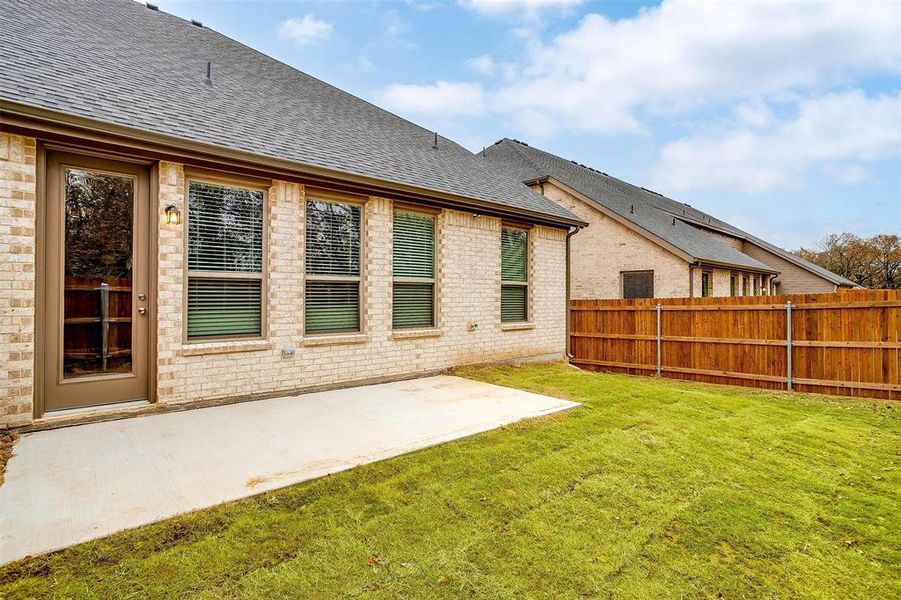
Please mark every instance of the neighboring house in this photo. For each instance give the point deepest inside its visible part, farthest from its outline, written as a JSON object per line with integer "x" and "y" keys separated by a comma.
{"x": 641, "y": 244}
{"x": 187, "y": 220}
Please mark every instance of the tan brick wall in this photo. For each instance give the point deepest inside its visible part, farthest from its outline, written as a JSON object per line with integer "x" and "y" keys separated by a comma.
{"x": 721, "y": 282}
{"x": 468, "y": 281}
{"x": 729, "y": 240}
{"x": 170, "y": 293}
{"x": 600, "y": 252}
{"x": 17, "y": 282}
{"x": 468, "y": 290}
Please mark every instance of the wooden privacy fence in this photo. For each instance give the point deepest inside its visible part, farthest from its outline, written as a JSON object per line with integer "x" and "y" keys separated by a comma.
{"x": 846, "y": 343}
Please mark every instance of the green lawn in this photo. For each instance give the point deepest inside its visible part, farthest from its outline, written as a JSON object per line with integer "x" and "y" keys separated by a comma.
{"x": 653, "y": 489}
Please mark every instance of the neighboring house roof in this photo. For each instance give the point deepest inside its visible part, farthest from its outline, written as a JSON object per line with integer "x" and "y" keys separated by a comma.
{"x": 119, "y": 62}
{"x": 648, "y": 210}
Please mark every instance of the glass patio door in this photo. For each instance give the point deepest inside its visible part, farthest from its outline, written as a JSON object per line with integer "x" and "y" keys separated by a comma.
{"x": 96, "y": 293}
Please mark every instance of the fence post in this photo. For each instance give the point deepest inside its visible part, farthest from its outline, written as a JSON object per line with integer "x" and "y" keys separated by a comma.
{"x": 788, "y": 345}
{"x": 104, "y": 324}
{"x": 659, "y": 357}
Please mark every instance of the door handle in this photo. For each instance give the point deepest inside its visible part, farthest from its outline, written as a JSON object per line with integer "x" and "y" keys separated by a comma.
{"x": 142, "y": 310}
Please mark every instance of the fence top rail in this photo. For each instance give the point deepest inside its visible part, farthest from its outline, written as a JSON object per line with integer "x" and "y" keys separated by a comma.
{"x": 843, "y": 298}
{"x": 717, "y": 307}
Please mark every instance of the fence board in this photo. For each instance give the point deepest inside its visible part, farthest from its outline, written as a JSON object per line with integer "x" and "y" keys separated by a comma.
{"x": 846, "y": 343}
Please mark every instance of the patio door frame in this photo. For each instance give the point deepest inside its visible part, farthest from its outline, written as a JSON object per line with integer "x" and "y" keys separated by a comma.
{"x": 41, "y": 369}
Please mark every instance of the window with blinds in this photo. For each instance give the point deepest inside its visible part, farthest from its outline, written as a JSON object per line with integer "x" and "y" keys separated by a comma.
{"x": 514, "y": 275}
{"x": 413, "y": 290}
{"x": 332, "y": 256}
{"x": 225, "y": 261}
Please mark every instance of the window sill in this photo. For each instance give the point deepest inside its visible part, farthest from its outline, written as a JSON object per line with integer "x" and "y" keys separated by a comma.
{"x": 223, "y": 347}
{"x": 336, "y": 340}
{"x": 413, "y": 334}
{"x": 517, "y": 326}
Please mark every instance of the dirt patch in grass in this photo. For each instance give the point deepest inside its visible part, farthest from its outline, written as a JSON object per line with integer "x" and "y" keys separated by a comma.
{"x": 7, "y": 440}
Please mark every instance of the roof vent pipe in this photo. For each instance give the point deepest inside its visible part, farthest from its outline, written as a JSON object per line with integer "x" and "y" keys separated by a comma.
{"x": 674, "y": 221}
{"x": 632, "y": 209}
{"x": 435, "y": 144}
{"x": 209, "y": 73}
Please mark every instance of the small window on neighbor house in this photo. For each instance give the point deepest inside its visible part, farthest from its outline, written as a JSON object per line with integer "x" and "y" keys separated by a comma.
{"x": 638, "y": 284}
{"x": 332, "y": 265}
{"x": 514, "y": 275}
{"x": 706, "y": 284}
{"x": 745, "y": 285}
{"x": 413, "y": 290}
{"x": 733, "y": 284}
{"x": 225, "y": 261}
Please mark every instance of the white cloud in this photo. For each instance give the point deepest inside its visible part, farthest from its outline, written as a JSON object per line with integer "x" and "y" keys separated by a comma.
{"x": 509, "y": 71}
{"x": 521, "y": 8}
{"x": 851, "y": 175}
{"x": 604, "y": 76}
{"x": 676, "y": 60}
{"x": 305, "y": 30}
{"x": 835, "y": 133}
{"x": 483, "y": 65}
{"x": 443, "y": 98}
{"x": 754, "y": 113}
{"x": 393, "y": 24}
{"x": 533, "y": 124}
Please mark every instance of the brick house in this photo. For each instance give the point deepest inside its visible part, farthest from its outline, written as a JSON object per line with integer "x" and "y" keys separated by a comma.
{"x": 188, "y": 221}
{"x": 642, "y": 244}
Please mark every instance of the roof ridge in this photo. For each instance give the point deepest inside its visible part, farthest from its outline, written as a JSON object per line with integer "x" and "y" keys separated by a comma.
{"x": 516, "y": 148}
{"x": 591, "y": 170}
{"x": 654, "y": 201}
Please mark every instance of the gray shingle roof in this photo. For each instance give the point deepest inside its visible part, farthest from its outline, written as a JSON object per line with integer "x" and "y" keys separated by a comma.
{"x": 120, "y": 62}
{"x": 652, "y": 211}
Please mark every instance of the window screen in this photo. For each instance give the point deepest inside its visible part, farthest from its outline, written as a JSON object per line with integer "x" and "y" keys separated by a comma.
{"x": 514, "y": 274}
{"x": 332, "y": 257}
{"x": 225, "y": 261}
{"x": 638, "y": 284}
{"x": 413, "y": 298}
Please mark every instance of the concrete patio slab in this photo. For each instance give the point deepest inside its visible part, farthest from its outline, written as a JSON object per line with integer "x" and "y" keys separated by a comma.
{"x": 71, "y": 485}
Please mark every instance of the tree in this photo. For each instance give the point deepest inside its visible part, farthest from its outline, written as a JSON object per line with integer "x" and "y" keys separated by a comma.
{"x": 873, "y": 262}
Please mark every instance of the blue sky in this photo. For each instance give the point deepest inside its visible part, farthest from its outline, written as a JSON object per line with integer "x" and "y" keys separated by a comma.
{"x": 783, "y": 118}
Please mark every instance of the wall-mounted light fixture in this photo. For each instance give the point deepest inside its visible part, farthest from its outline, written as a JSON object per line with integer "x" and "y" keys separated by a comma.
{"x": 173, "y": 215}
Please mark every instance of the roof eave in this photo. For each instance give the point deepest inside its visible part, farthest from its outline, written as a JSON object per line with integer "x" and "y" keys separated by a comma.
{"x": 736, "y": 266}
{"x": 30, "y": 116}
{"x": 537, "y": 180}
{"x": 784, "y": 254}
